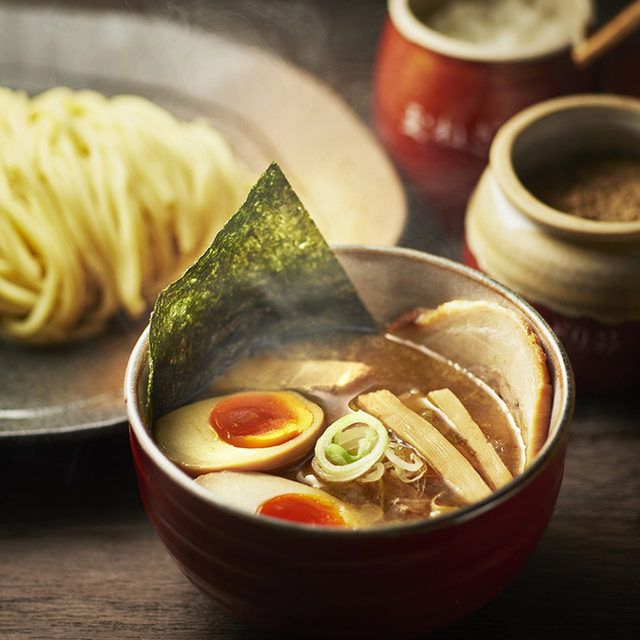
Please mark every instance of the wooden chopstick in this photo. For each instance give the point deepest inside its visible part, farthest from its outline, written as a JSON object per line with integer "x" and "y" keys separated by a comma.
{"x": 622, "y": 25}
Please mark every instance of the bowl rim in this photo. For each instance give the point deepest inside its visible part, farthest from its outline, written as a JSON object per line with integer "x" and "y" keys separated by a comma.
{"x": 501, "y": 155}
{"x": 554, "y": 442}
{"x": 408, "y": 25}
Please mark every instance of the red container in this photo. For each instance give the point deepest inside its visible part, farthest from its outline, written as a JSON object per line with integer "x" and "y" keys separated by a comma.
{"x": 397, "y": 581}
{"x": 437, "y": 102}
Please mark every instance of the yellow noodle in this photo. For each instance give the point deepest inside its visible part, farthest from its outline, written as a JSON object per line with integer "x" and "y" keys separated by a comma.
{"x": 102, "y": 200}
{"x": 17, "y": 259}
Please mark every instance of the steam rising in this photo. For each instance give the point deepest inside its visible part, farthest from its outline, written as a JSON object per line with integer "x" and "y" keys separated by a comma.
{"x": 332, "y": 39}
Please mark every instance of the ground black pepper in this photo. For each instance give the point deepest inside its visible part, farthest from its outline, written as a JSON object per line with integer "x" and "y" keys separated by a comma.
{"x": 598, "y": 187}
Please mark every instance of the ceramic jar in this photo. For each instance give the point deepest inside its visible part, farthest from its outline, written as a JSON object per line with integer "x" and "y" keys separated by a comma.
{"x": 582, "y": 275}
{"x": 438, "y": 101}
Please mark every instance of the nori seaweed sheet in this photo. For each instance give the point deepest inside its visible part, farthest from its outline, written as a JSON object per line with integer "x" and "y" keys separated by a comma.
{"x": 268, "y": 274}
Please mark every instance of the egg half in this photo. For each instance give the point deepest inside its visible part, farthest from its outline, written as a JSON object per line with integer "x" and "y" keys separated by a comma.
{"x": 250, "y": 430}
{"x": 278, "y": 497}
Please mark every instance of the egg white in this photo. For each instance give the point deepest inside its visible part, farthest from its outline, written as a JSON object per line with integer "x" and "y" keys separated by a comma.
{"x": 247, "y": 490}
{"x": 187, "y": 438}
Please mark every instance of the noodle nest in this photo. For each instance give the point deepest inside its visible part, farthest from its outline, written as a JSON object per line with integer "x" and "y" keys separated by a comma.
{"x": 102, "y": 202}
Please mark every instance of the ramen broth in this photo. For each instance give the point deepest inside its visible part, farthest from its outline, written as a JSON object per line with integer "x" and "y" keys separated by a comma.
{"x": 410, "y": 372}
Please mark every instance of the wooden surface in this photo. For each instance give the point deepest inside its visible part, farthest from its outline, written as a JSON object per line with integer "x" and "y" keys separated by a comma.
{"x": 79, "y": 559}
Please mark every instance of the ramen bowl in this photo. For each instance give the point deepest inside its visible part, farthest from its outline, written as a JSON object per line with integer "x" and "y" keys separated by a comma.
{"x": 581, "y": 272}
{"x": 399, "y": 581}
{"x": 438, "y": 99}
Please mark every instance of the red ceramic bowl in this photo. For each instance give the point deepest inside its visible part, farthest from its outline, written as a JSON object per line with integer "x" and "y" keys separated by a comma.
{"x": 391, "y": 582}
{"x": 437, "y": 102}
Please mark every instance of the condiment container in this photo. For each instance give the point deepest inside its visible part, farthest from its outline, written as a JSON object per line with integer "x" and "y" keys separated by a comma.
{"x": 438, "y": 100}
{"x": 582, "y": 275}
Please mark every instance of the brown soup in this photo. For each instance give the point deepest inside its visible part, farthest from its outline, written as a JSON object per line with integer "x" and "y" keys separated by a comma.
{"x": 410, "y": 372}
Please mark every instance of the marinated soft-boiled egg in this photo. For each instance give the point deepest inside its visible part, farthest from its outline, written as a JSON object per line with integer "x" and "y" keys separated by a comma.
{"x": 255, "y": 430}
{"x": 279, "y": 497}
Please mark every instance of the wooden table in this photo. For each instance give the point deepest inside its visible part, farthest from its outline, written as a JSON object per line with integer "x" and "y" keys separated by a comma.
{"x": 79, "y": 559}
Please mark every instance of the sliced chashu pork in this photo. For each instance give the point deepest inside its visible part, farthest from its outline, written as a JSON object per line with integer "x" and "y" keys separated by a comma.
{"x": 496, "y": 345}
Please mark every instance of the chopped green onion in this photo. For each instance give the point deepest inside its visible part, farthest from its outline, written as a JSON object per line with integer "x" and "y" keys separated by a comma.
{"x": 350, "y": 447}
{"x": 337, "y": 454}
{"x": 374, "y": 474}
{"x": 407, "y": 470}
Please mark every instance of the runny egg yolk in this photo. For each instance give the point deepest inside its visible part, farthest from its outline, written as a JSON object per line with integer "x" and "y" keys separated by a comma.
{"x": 259, "y": 419}
{"x": 303, "y": 507}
